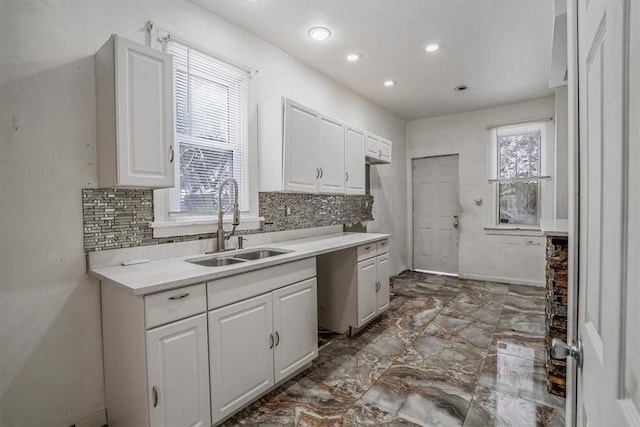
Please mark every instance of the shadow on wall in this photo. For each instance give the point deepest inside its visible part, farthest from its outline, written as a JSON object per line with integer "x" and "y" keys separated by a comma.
{"x": 50, "y": 333}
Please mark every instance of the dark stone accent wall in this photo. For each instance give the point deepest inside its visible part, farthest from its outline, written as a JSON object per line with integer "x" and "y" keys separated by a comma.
{"x": 556, "y": 310}
{"x": 115, "y": 218}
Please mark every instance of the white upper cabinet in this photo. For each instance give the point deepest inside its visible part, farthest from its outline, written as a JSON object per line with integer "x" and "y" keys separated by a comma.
{"x": 135, "y": 129}
{"x": 301, "y": 170}
{"x": 354, "y": 147}
{"x": 302, "y": 150}
{"x": 308, "y": 157}
{"x": 331, "y": 155}
{"x": 378, "y": 149}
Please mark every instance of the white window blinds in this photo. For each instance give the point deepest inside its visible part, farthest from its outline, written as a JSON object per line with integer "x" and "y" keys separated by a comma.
{"x": 211, "y": 97}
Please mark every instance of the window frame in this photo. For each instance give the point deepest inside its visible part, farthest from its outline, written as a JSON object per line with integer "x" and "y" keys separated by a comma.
{"x": 546, "y": 192}
{"x": 166, "y": 222}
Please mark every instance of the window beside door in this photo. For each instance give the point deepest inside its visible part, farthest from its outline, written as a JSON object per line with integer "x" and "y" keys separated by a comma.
{"x": 520, "y": 155}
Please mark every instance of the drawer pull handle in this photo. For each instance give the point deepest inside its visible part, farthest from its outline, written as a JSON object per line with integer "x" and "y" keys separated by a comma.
{"x": 154, "y": 392}
{"x": 175, "y": 297}
{"x": 383, "y": 243}
{"x": 277, "y": 338}
{"x": 367, "y": 248}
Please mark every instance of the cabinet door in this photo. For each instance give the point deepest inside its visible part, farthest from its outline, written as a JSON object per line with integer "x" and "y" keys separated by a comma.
{"x": 382, "y": 274}
{"x": 384, "y": 150}
{"x": 295, "y": 325}
{"x": 241, "y": 354}
{"x": 331, "y": 155}
{"x": 354, "y": 161}
{"x": 372, "y": 145}
{"x": 301, "y": 171}
{"x": 144, "y": 111}
{"x": 178, "y": 373}
{"x": 366, "y": 291}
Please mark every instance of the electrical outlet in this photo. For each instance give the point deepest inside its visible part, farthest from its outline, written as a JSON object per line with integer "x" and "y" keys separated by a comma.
{"x": 287, "y": 210}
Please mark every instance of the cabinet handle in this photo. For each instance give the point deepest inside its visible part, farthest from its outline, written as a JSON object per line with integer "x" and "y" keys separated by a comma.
{"x": 154, "y": 393}
{"x": 346, "y": 175}
{"x": 383, "y": 243}
{"x": 277, "y": 338}
{"x": 366, "y": 248}
{"x": 271, "y": 340}
{"x": 171, "y": 154}
{"x": 321, "y": 173}
{"x": 175, "y": 297}
{"x": 317, "y": 173}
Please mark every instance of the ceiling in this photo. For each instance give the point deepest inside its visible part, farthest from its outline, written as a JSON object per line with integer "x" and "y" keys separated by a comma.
{"x": 499, "y": 48}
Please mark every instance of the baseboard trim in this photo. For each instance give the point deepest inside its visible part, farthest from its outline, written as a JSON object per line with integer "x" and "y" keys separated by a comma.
{"x": 507, "y": 280}
{"x": 98, "y": 419}
{"x": 437, "y": 273}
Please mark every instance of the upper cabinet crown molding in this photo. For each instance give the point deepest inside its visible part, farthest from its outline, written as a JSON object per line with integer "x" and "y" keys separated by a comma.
{"x": 135, "y": 122}
{"x": 303, "y": 150}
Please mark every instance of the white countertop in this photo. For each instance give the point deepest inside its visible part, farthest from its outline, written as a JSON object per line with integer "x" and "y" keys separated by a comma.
{"x": 554, "y": 227}
{"x": 164, "y": 274}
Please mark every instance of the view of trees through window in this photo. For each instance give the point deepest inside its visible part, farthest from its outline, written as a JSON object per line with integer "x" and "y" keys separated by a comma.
{"x": 518, "y": 173}
{"x": 211, "y": 130}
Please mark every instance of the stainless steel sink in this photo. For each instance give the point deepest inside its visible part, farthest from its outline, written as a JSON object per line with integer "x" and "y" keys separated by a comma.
{"x": 233, "y": 258}
{"x": 215, "y": 262}
{"x": 259, "y": 254}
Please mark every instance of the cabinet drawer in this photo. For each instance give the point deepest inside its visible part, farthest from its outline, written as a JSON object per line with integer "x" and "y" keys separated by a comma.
{"x": 367, "y": 251}
{"x": 382, "y": 247}
{"x": 176, "y": 304}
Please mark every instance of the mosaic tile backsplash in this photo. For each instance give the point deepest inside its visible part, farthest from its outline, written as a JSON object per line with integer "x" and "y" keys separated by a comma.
{"x": 115, "y": 218}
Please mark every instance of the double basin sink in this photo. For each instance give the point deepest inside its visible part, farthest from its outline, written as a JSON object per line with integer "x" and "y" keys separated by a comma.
{"x": 221, "y": 260}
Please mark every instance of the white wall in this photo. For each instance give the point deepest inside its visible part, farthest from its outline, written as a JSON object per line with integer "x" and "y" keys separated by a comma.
{"x": 50, "y": 337}
{"x": 515, "y": 259}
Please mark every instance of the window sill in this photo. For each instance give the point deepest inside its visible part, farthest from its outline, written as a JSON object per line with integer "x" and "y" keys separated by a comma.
{"x": 513, "y": 230}
{"x": 190, "y": 227}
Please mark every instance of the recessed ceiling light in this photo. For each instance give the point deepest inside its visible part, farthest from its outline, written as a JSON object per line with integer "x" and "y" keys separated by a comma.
{"x": 460, "y": 88}
{"x": 389, "y": 83}
{"x": 353, "y": 57}
{"x": 319, "y": 33}
{"x": 432, "y": 47}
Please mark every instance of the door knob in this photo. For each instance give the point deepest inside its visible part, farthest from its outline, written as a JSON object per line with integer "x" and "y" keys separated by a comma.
{"x": 562, "y": 350}
{"x": 455, "y": 215}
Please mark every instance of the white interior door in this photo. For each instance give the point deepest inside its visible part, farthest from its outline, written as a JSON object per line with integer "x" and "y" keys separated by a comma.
{"x": 435, "y": 210}
{"x": 609, "y": 231}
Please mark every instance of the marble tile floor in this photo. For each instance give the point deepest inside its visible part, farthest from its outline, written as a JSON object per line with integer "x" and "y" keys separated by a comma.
{"x": 448, "y": 352}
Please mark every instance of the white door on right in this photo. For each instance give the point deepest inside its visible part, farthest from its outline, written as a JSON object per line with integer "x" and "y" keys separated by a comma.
{"x": 609, "y": 234}
{"x": 435, "y": 214}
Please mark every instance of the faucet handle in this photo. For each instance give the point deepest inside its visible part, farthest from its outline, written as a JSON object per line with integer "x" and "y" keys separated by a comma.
{"x": 241, "y": 241}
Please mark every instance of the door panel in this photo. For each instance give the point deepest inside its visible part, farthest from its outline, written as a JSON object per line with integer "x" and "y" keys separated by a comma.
{"x": 354, "y": 161}
{"x": 144, "y": 116}
{"x": 300, "y": 142}
{"x": 366, "y": 290}
{"x": 382, "y": 273}
{"x": 241, "y": 354}
{"x": 295, "y": 324}
{"x": 331, "y": 155}
{"x": 435, "y": 201}
{"x": 373, "y": 144}
{"x": 608, "y": 381}
{"x": 178, "y": 369}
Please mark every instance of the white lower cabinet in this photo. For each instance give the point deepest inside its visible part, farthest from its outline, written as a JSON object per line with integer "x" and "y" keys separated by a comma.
{"x": 373, "y": 288}
{"x": 366, "y": 291}
{"x": 256, "y": 343}
{"x": 353, "y": 286}
{"x": 178, "y": 373}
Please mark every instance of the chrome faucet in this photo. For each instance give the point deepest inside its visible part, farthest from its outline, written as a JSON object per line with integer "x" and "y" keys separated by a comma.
{"x": 222, "y": 236}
